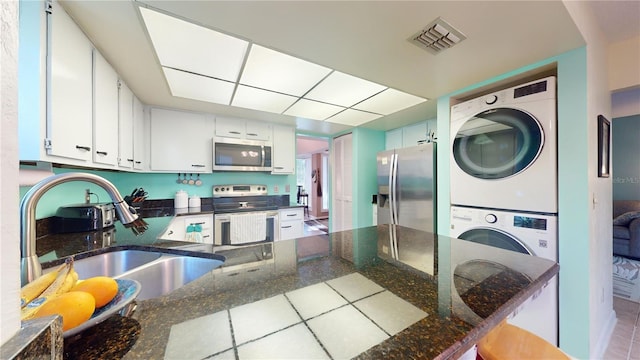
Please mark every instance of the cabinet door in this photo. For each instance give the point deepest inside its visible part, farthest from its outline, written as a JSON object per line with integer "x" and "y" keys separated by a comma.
{"x": 138, "y": 135}
{"x": 180, "y": 141}
{"x": 69, "y": 129}
{"x": 284, "y": 150}
{"x": 230, "y": 127}
{"x": 413, "y": 135}
{"x": 125, "y": 126}
{"x": 342, "y": 198}
{"x": 258, "y": 130}
{"x": 105, "y": 111}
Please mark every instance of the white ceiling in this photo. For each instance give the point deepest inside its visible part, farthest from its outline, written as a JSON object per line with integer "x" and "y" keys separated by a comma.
{"x": 367, "y": 39}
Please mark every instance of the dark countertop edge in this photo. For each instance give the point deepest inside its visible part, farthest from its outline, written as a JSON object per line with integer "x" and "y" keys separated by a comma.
{"x": 485, "y": 326}
{"x": 167, "y": 247}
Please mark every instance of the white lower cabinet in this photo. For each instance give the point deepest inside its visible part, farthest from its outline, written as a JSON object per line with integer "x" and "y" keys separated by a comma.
{"x": 291, "y": 223}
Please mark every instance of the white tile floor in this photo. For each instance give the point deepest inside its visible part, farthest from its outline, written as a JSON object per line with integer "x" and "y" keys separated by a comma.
{"x": 625, "y": 340}
{"x": 337, "y": 319}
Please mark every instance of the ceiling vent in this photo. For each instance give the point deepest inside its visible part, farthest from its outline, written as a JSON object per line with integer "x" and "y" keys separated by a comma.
{"x": 437, "y": 36}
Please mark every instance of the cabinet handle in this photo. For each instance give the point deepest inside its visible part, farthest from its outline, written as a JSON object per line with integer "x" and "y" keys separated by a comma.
{"x": 291, "y": 214}
{"x": 252, "y": 134}
{"x": 234, "y": 132}
{"x": 86, "y": 148}
{"x": 197, "y": 165}
{"x": 286, "y": 227}
{"x": 101, "y": 153}
{"x": 130, "y": 160}
{"x": 278, "y": 167}
{"x": 138, "y": 162}
{"x": 206, "y": 236}
{"x": 170, "y": 232}
{"x": 198, "y": 223}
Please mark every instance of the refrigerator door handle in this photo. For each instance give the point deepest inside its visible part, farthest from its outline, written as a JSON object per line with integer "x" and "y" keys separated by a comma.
{"x": 393, "y": 188}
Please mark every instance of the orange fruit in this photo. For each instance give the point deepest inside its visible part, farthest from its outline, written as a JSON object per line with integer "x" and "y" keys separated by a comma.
{"x": 75, "y": 307}
{"x": 103, "y": 289}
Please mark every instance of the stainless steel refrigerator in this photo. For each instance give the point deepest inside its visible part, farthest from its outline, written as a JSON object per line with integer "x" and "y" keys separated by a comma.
{"x": 407, "y": 187}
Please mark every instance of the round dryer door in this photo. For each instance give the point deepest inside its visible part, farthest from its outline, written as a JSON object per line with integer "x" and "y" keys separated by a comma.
{"x": 498, "y": 143}
{"x": 494, "y": 238}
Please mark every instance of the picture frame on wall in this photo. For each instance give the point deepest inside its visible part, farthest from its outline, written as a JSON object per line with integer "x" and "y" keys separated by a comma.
{"x": 604, "y": 146}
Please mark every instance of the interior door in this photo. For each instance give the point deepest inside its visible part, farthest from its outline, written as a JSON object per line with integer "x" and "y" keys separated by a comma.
{"x": 342, "y": 194}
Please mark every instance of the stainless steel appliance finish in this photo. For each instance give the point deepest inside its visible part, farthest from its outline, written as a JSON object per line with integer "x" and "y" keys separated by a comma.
{"x": 407, "y": 187}
{"x": 84, "y": 217}
{"x": 239, "y": 190}
{"x": 246, "y": 199}
{"x": 222, "y": 226}
{"x": 241, "y": 155}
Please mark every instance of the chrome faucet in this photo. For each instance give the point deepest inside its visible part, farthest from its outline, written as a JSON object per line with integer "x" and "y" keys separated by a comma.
{"x": 30, "y": 267}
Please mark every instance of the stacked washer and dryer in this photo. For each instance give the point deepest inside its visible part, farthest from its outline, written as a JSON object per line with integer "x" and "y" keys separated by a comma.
{"x": 504, "y": 183}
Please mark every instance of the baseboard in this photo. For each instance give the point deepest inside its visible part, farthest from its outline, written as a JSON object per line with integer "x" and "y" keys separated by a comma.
{"x": 604, "y": 338}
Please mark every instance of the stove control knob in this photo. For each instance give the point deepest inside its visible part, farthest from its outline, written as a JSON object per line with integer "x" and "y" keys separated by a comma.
{"x": 491, "y": 99}
{"x": 491, "y": 218}
{"x": 215, "y": 189}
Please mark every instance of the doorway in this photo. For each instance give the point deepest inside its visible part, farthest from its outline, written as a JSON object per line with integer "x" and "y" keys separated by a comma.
{"x": 312, "y": 168}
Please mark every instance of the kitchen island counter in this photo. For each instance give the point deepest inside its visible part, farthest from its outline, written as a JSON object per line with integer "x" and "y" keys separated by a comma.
{"x": 425, "y": 274}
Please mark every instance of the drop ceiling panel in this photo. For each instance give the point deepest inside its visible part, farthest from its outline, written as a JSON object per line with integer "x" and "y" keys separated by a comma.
{"x": 389, "y": 101}
{"x": 272, "y": 70}
{"x": 192, "y": 86}
{"x": 182, "y": 45}
{"x": 352, "y": 117}
{"x": 313, "y": 110}
{"x": 257, "y": 99}
{"x": 343, "y": 89}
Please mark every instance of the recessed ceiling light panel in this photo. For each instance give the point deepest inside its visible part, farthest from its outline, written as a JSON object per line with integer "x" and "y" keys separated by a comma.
{"x": 389, "y": 101}
{"x": 257, "y": 99}
{"x": 183, "y": 45}
{"x": 312, "y": 109}
{"x": 343, "y": 89}
{"x": 197, "y": 87}
{"x": 353, "y": 117}
{"x": 273, "y": 70}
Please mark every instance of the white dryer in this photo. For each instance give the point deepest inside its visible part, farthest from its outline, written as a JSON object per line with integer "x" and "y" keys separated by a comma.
{"x": 531, "y": 234}
{"x": 504, "y": 149}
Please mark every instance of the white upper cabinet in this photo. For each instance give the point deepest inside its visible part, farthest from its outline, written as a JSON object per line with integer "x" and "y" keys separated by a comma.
{"x": 413, "y": 135}
{"x": 243, "y": 129}
{"x": 125, "y": 126}
{"x": 181, "y": 141}
{"x": 139, "y": 147}
{"x": 284, "y": 150}
{"x": 105, "y": 111}
{"x": 69, "y": 125}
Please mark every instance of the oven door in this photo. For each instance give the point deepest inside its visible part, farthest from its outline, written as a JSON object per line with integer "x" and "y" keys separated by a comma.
{"x": 223, "y": 228}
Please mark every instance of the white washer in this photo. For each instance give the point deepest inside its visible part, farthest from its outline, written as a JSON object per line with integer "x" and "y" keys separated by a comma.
{"x": 532, "y": 234}
{"x": 504, "y": 149}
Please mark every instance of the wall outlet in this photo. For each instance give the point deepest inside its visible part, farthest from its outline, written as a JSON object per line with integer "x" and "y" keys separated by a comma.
{"x": 287, "y": 188}
{"x": 275, "y": 189}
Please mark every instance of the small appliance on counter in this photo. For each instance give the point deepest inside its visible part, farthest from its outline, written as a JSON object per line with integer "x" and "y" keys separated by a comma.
{"x": 83, "y": 217}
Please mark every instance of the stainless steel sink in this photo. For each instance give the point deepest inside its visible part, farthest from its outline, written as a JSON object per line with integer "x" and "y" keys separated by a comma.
{"x": 158, "y": 273}
{"x": 168, "y": 273}
{"x": 113, "y": 263}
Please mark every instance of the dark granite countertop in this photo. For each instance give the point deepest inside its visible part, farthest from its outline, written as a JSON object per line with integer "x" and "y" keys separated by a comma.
{"x": 429, "y": 271}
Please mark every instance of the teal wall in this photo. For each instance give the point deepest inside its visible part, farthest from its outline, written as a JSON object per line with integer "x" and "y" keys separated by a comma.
{"x": 159, "y": 186}
{"x": 366, "y": 145}
{"x": 625, "y": 150}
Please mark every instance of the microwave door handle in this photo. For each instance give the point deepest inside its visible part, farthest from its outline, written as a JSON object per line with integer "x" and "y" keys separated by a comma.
{"x": 263, "y": 155}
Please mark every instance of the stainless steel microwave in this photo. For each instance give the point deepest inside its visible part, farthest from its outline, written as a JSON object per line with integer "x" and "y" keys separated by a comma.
{"x": 230, "y": 154}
